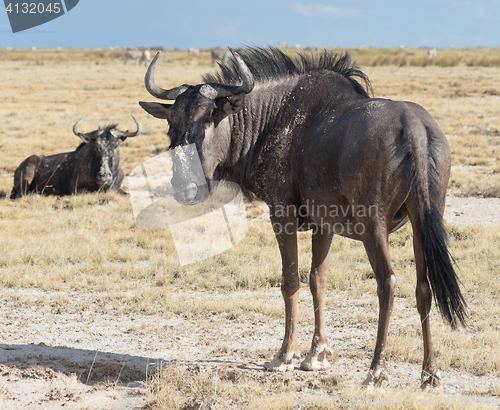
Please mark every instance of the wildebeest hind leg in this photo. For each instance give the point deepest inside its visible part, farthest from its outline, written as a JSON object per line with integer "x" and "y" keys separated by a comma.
{"x": 430, "y": 372}
{"x": 316, "y": 358}
{"x": 376, "y": 244}
{"x": 286, "y": 234}
{"x": 23, "y": 177}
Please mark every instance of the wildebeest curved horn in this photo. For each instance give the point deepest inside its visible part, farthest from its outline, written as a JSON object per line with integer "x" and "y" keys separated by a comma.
{"x": 84, "y": 136}
{"x": 223, "y": 90}
{"x": 159, "y": 92}
{"x": 127, "y": 134}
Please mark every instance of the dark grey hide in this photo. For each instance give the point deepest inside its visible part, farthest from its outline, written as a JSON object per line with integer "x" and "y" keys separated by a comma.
{"x": 304, "y": 136}
{"x": 93, "y": 166}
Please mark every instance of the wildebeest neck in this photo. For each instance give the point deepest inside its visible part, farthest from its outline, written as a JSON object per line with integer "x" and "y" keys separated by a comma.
{"x": 258, "y": 121}
{"x": 272, "y": 123}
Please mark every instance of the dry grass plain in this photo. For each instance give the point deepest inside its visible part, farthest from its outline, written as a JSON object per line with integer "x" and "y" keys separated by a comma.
{"x": 83, "y": 260}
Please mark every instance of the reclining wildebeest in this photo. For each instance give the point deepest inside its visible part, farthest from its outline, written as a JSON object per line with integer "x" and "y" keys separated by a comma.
{"x": 93, "y": 166}
{"x": 305, "y": 136}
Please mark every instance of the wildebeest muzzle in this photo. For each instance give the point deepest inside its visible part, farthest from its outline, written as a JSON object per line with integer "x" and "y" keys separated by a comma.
{"x": 188, "y": 181}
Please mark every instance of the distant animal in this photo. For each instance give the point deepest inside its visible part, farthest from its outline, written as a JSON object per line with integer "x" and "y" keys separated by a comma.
{"x": 432, "y": 53}
{"x": 93, "y": 166}
{"x": 139, "y": 56}
{"x": 194, "y": 50}
{"x": 218, "y": 54}
{"x": 305, "y": 136}
{"x": 146, "y": 57}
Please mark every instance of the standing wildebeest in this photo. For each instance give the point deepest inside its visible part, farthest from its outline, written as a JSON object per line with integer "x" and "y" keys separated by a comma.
{"x": 94, "y": 165}
{"x": 432, "y": 53}
{"x": 218, "y": 54}
{"x": 305, "y": 137}
{"x": 139, "y": 56}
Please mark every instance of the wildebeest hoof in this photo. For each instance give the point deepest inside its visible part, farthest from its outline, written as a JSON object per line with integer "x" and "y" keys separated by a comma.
{"x": 430, "y": 380}
{"x": 375, "y": 378}
{"x": 282, "y": 362}
{"x": 316, "y": 358}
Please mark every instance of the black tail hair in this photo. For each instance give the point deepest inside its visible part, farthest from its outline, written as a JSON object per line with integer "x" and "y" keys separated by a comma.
{"x": 422, "y": 162}
{"x": 440, "y": 271}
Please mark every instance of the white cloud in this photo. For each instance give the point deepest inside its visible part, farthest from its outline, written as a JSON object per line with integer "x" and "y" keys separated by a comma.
{"x": 335, "y": 11}
{"x": 306, "y": 11}
{"x": 312, "y": 10}
{"x": 480, "y": 12}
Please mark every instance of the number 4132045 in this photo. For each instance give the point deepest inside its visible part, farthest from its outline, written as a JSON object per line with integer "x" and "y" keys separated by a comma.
{"x": 33, "y": 8}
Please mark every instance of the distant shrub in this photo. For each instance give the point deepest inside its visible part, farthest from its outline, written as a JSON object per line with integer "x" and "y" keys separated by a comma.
{"x": 491, "y": 91}
{"x": 448, "y": 60}
{"x": 417, "y": 57}
{"x": 483, "y": 61}
{"x": 419, "y": 61}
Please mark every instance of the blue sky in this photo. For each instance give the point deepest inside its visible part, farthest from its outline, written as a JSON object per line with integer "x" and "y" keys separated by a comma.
{"x": 205, "y": 24}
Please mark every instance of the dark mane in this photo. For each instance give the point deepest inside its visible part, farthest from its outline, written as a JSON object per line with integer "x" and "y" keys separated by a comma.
{"x": 271, "y": 63}
{"x": 109, "y": 127}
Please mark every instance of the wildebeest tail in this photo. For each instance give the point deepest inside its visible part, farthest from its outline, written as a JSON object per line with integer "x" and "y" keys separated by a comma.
{"x": 440, "y": 271}
{"x": 424, "y": 166}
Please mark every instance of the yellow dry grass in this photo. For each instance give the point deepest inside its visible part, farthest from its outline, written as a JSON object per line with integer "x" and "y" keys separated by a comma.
{"x": 465, "y": 102}
{"x": 92, "y": 242}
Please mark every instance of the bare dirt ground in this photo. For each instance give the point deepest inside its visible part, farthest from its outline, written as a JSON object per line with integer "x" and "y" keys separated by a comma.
{"x": 472, "y": 210}
{"x": 76, "y": 359}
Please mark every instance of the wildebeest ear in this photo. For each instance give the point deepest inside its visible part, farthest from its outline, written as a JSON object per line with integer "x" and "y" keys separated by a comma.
{"x": 157, "y": 110}
{"x": 123, "y": 135}
{"x": 230, "y": 105}
{"x": 89, "y": 137}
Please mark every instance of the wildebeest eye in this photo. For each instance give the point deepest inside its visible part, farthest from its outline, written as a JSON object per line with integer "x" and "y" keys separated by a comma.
{"x": 202, "y": 110}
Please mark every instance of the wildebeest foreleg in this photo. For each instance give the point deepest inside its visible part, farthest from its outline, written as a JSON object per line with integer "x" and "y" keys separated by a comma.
{"x": 118, "y": 180}
{"x": 316, "y": 358}
{"x": 286, "y": 234}
{"x": 376, "y": 244}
